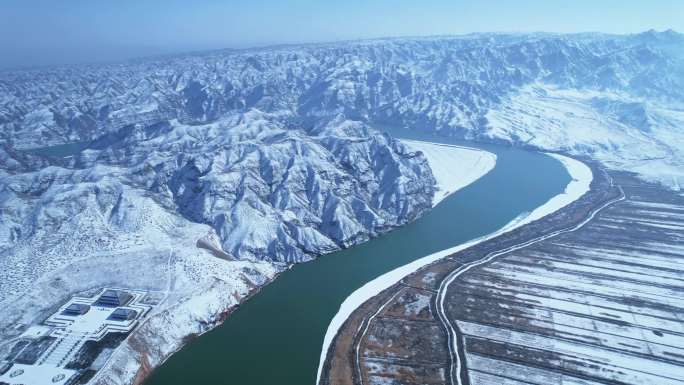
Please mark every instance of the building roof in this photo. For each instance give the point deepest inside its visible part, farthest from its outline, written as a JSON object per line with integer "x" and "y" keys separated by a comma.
{"x": 122, "y": 314}
{"x": 76, "y": 309}
{"x": 113, "y": 298}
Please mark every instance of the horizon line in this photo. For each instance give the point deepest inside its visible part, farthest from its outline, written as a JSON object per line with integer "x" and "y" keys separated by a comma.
{"x": 273, "y": 46}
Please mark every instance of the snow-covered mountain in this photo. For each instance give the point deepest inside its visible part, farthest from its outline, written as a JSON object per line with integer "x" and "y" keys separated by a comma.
{"x": 205, "y": 214}
{"x": 264, "y": 191}
{"x": 618, "y": 97}
{"x": 266, "y": 156}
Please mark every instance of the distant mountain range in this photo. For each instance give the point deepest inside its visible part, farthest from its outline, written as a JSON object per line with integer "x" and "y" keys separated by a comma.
{"x": 482, "y": 87}
{"x": 283, "y": 132}
{"x": 268, "y": 154}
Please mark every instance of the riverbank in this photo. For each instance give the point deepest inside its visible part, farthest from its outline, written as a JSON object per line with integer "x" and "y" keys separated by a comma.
{"x": 589, "y": 294}
{"x": 467, "y": 166}
{"x": 286, "y": 323}
{"x": 582, "y": 177}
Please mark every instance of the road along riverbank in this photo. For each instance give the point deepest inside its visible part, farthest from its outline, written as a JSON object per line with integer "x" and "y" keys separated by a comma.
{"x": 343, "y": 364}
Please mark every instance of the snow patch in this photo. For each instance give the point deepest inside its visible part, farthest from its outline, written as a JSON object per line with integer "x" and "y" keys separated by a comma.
{"x": 454, "y": 167}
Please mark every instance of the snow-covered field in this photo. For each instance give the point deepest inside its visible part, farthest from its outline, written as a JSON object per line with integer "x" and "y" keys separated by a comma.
{"x": 581, "y": 179}
{"x": 453, "y": 167}
{"x": 599, "y": 305}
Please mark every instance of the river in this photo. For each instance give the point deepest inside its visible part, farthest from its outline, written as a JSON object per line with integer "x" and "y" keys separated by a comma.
{"x": 276, "y": 337}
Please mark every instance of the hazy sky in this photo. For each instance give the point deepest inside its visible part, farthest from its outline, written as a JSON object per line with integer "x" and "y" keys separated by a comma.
{"x": 39, "y": 32}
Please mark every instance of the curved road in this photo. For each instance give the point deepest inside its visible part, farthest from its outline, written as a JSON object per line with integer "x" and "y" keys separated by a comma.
{"x": 457, "y": 376}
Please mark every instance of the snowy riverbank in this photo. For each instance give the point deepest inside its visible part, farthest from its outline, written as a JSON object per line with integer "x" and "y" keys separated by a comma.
{"x": 581, "y": 179}
{"x": 454, "y": 167}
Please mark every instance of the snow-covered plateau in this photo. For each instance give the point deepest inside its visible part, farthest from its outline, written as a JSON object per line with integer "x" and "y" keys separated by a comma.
{"x": 203, "y": 176}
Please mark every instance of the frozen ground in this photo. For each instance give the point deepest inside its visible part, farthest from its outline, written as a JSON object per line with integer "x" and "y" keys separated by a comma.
{"x": 453, "y": 167}
{"x": 195, "y": 289}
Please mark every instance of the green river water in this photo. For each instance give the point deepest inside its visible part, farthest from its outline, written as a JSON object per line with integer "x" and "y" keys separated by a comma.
{"x": 275, "y": 338}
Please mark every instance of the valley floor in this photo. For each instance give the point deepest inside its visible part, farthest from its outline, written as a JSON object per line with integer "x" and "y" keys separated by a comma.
{"x": 591, "y": 294}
